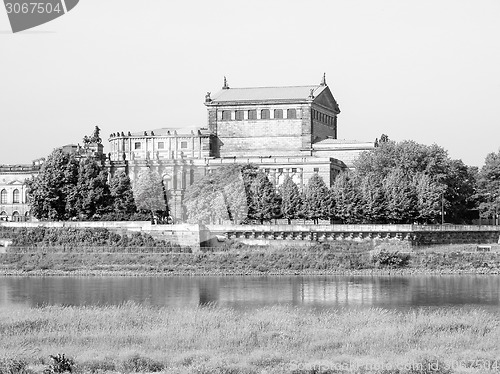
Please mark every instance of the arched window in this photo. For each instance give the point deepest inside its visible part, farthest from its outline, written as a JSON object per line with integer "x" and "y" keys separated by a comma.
{"x": 15, "y": 196}
{"x": 239, "y": 115}
{"x": 252, "y": 114}
{"x": 265, "y": 114}
{"x": 291, "y": 113}
{"x": 3, "y": 197}
{"x": 226, "y": 115}
{"x": 278, "y": 113}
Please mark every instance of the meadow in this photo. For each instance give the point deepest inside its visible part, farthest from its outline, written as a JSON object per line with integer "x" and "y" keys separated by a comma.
{"x": 133, "y": 338}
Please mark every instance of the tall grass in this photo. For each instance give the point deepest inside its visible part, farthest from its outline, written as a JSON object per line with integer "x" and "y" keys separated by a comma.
{"x": 134, "y": 338}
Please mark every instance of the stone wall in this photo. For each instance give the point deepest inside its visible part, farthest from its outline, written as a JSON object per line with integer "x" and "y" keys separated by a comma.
{"x": 408, "y": 235}
{"x": 185, "y": 235}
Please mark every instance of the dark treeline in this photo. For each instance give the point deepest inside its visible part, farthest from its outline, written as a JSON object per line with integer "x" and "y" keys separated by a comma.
{"x": 77, "y": 186}
{"x": 403, "y": 182}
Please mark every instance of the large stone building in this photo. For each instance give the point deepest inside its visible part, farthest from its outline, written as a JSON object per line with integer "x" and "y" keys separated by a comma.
{"x": 283, "y": 130}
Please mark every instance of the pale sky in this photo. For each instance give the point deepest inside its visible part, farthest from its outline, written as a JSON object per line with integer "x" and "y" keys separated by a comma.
{"x": 426, "y": 70}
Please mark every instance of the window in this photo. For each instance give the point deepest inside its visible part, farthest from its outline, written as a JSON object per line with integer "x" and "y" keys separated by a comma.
{"x": 267, "y": 171}
{"x": 294, "y": 170}
{"x": 240, "y": 116}
{"x": 184, "y": 144}
{"x": 15, "y": 196}
{"x": 3, "y": 197}
{"x": 161, "y": 145}
{"x": 226, "y": 115}
{"x": 280, "y": 170}
{"x": 265, "y": 114}
{"x": 252, "y": 114}
{"x": 291, "y": 113}
{"x": 137, "y": 145}
{"x": 278, "y": 113}
{"x": 316, "y": 170}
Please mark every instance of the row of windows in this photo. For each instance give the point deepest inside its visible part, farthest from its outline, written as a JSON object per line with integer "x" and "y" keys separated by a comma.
{"x": 15, "y": 197}
{"x": 325, "y": 118}
{"x": 160, "y": 145}
{"x": 239, "y": 115}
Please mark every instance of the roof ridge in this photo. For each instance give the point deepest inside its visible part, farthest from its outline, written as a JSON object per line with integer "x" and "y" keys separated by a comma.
{"x": 250, "y": 88}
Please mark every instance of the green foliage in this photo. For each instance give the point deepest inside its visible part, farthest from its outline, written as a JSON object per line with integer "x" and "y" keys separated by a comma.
{"x": 222, "y": 195}
{"x": 77, "y": 238}
{"x": 400, "y": 197}
{"x": 347, "y": 200}
{"x": 141, "y": 364}
{"x": 91, "y": 198}
{"x": 391, "y": 259}
{"x": 489, "y": 186}
{"x": 291, "y": 201}
{"x": 122, "y": 195}
{"x": 60, "y": 364}
{"x": 149, "y": 193}
{"x": 264, "y": 202}
{"x": 316, "y": 199}
{"x": 49, "y": 190}
{"x": 14, "y": 366}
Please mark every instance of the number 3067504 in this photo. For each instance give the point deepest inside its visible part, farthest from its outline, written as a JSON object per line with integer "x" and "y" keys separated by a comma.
{"x": 39, "y": 8}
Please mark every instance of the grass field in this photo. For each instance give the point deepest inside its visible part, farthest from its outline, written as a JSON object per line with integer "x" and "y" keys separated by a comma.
{"x": 133, "y": 338}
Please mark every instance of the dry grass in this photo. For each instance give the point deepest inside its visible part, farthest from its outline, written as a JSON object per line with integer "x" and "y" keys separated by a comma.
{"x": 133, "y": 338}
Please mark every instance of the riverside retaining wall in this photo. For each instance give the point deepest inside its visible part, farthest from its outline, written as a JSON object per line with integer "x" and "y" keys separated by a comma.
{"x": 196, "y": 236}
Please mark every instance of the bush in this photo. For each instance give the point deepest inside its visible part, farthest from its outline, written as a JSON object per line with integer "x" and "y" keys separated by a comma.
{"x": 139, "y": 364}
{"x": 391, "y": 259}
{"x": 60, "y": 364}
{"x": 13, "y": 366}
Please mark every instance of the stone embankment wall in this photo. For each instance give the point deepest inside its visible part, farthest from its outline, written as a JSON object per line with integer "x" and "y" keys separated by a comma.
{"x": 196, "y": 236}
{"x": 407, "y": 235}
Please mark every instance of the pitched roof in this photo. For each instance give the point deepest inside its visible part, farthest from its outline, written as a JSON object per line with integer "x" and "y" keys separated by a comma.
{"x": 267, "y": 93}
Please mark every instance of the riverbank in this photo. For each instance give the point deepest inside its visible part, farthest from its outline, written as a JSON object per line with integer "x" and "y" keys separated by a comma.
{"x": 246, "y": 260}
{"x": 134, "y": 338}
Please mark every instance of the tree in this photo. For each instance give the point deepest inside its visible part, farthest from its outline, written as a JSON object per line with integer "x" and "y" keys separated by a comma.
{"x": 429, "y": 195}
{"x": 149, "y": 194}
{"x": 48, "y": 191}
{"x": 220, "y": 196}
{"x": 489, "y": 186}
{"x": 291, "y": 201}
{"x": 347, "y": 200}
{"x": 316, "y": 199}
{"x": 91, "y": 198}
{"x": 372, "y": 199}
{"x": 400, "y": 197}
{"x": 264, "y": 201}
{"x": 122, "y": 195}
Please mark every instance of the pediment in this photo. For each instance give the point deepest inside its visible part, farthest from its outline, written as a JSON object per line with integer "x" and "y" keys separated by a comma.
{"x": 326, "y": 99}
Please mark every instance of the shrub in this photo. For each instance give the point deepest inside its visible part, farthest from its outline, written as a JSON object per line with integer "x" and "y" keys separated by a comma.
{"x": 13, "y": 366}
{"x": 139, "y": 364}
{"x": 391, "y": 259}
{"x": 60, "y": 364}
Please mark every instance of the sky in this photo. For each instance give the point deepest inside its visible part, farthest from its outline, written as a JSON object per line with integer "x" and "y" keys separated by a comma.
{"x": 426, "y": 70}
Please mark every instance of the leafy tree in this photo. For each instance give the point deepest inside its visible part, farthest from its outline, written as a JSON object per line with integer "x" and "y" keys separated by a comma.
{"x": 220, "y": 195}
{"x": 346, "y": 197}
{"x": 149, "y": 193}
{"x": 291, "y": 201}
{"x": 264, "y": 201}
{"x": 91, "y": 198}
{"x": 489, "y": 186}
{"x": 429, "y": 195}
{"x": 372, "y": 199}
{"x": 49, "y": 190}
{"x": 316, "y": 199}
{"x": 400, "y": 197}
{"x": 122, "y": 195}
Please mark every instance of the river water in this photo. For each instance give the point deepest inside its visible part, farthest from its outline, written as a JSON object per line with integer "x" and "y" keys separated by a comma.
{"x": 394, "y": 292}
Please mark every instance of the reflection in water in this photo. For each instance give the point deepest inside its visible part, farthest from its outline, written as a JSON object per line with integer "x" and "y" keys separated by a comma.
{"x": 398, "y": 292}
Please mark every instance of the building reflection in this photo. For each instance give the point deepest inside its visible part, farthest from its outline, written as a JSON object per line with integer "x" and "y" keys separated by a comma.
{"x": 252, "y": 292}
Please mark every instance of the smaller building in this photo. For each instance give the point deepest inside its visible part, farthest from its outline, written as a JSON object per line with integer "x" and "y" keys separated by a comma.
{"x": 13, "y": 192}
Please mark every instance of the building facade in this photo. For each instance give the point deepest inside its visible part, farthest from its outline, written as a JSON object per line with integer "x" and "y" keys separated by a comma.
{"x": 14, "y": 204}
{"x": 285, "y": 131}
